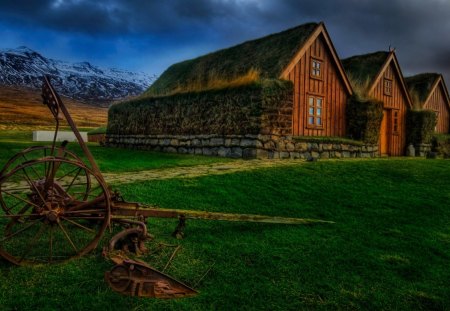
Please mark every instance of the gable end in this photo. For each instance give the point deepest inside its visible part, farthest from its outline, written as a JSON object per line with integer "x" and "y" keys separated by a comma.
{"x": 392, "y": 59}
{"x": 319, "y": 31}
{"x": 439, "y": 83}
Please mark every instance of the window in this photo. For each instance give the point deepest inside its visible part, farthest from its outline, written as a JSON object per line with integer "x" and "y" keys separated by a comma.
{"x": 316, "y": 68}
{"x": 395, "y": 124}
{"x": 387, "y": 87}
{"x": 315, "y": 111}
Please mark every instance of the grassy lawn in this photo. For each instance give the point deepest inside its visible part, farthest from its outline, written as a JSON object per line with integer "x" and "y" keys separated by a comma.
{"x": 109, "y": 159}
{"x": 389, "y": 248}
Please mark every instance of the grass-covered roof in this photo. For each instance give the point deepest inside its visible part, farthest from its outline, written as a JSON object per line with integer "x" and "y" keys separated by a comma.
{"x": 364, "y": 68}
{"x": 268, "y": 55}
{"x": 421, "y": 84}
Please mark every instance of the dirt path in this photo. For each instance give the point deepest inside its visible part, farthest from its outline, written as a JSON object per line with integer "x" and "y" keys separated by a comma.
{"x": 196, "y": 171}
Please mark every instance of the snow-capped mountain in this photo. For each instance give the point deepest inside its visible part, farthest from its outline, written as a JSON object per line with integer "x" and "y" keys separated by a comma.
{"x": 82, "y": 81}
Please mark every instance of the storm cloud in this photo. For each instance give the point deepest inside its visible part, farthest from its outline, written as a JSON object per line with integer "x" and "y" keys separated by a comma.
{"x": 150, "y": 35}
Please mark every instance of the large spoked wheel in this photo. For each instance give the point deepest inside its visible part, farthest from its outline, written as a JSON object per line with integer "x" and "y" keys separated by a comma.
{"x": 49, "y": 214}
{"x": 41, "y": 152}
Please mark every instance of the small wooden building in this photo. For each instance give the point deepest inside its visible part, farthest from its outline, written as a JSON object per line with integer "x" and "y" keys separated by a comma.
{"x": 428, "y": 91}
{"x": 378, "y": 75}
{"x": 304, "y": 54}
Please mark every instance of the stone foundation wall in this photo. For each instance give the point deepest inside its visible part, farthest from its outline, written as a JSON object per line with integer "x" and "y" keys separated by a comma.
{"x": 242, "y": 146}
{"x": 422, "y": 149}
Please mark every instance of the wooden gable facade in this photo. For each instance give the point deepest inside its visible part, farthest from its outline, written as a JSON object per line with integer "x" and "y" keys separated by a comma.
{"x": 431, "y": 93}
{"x": 387, "y": 85}
{"x": 304, "y": 55}
{"x": 321, "y": 87}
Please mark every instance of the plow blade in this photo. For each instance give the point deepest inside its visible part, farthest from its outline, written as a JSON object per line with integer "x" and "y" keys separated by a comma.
{"x": 138, "y": 279}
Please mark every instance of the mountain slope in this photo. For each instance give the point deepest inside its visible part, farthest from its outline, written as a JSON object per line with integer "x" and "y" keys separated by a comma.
{"x": 22, "y": 108}
{"x": 83, "y": 81}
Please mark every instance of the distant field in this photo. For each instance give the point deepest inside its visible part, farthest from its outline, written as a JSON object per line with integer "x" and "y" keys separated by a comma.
{"x": 23, "y": 109}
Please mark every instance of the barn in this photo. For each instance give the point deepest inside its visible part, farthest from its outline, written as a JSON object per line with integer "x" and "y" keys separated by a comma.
{"x": 429, "y": 92}
{"x": 378, "y": 75}
{"x": 259, "y": 99}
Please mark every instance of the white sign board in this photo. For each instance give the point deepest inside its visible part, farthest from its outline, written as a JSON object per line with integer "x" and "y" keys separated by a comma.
{"x": 48, "y": 136}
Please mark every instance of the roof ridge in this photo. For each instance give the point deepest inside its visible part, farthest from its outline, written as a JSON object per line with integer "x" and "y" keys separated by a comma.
{"x": 269, "y": 55}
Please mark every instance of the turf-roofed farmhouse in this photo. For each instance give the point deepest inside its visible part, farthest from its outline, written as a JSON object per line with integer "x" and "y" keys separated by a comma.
{"x": 378, "y": 76}
{"x": 429, "y": 92}
{"x": 266, "y": 98}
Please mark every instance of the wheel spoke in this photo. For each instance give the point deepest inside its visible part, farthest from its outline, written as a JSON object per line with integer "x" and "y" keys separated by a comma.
{"x": 67, "y": 174}
{"x": 33, "y": 185}
{"x": 7, "y": 210}
{"x": 33, "y": 241}
{"x": 19, "y": 198}
{"x": 67, "y": 236}
{"x": 70, "y": 172}
{"x": 45, "y": 163}
{"x": 16, "y": 188}
{"x": 19, "y": 231}
{"x": 73, "y": 180}
{"x": 51, "y": 244}
{"x": 18, "y": 215}
{"x": 78, "y": 225}
{"x": 34, "y": 170}
{"x": 88, "y": 194}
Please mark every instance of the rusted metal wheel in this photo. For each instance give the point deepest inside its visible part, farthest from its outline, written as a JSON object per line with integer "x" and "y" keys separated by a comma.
{"x": 36, "y": 152}
{"x": 53, "y": 209}
{"x": 40, "y": 152}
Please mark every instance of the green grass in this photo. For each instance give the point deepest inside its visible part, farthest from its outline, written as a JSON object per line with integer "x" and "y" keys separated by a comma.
{"x": 268, "y": 55}
{"x": 98, "y": 130}
{"x": 109, "y": 159}
{"x": 388, "y": 250}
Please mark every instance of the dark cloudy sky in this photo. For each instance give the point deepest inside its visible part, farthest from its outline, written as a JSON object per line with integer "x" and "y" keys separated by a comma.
{"x": 148, "y": 35}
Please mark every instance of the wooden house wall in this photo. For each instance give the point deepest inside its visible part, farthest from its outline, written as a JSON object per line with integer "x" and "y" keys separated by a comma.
{"x": 396, "y": 101}
{"x": 438, "y": 103}
{"x": 330, "y": 87}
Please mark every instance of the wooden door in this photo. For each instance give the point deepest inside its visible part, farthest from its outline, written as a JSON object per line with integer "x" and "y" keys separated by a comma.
{"x": 385, "y": 135}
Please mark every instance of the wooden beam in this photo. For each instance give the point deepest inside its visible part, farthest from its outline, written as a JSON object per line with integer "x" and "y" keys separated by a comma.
{"x": 130, "y": 210}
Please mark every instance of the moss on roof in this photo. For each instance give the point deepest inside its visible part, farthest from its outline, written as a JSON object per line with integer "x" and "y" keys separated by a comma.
{"x": 269, "y": 55}
{"x": 421, "y": 84}
{"x": 363, "y": 68}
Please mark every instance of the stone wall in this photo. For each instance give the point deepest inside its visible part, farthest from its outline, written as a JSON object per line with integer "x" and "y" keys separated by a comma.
{"x": 422, "y": 149}
{"x": 243, "y": 146}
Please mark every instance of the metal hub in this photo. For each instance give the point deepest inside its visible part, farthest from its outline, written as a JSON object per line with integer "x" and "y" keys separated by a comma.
{"x": 52, "y": 216}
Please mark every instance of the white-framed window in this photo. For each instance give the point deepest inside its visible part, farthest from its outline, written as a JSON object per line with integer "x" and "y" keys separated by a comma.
{"x": 316, "y": 68}
{"x": 315, "y": 111}
{"x": 387, "y": 87}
